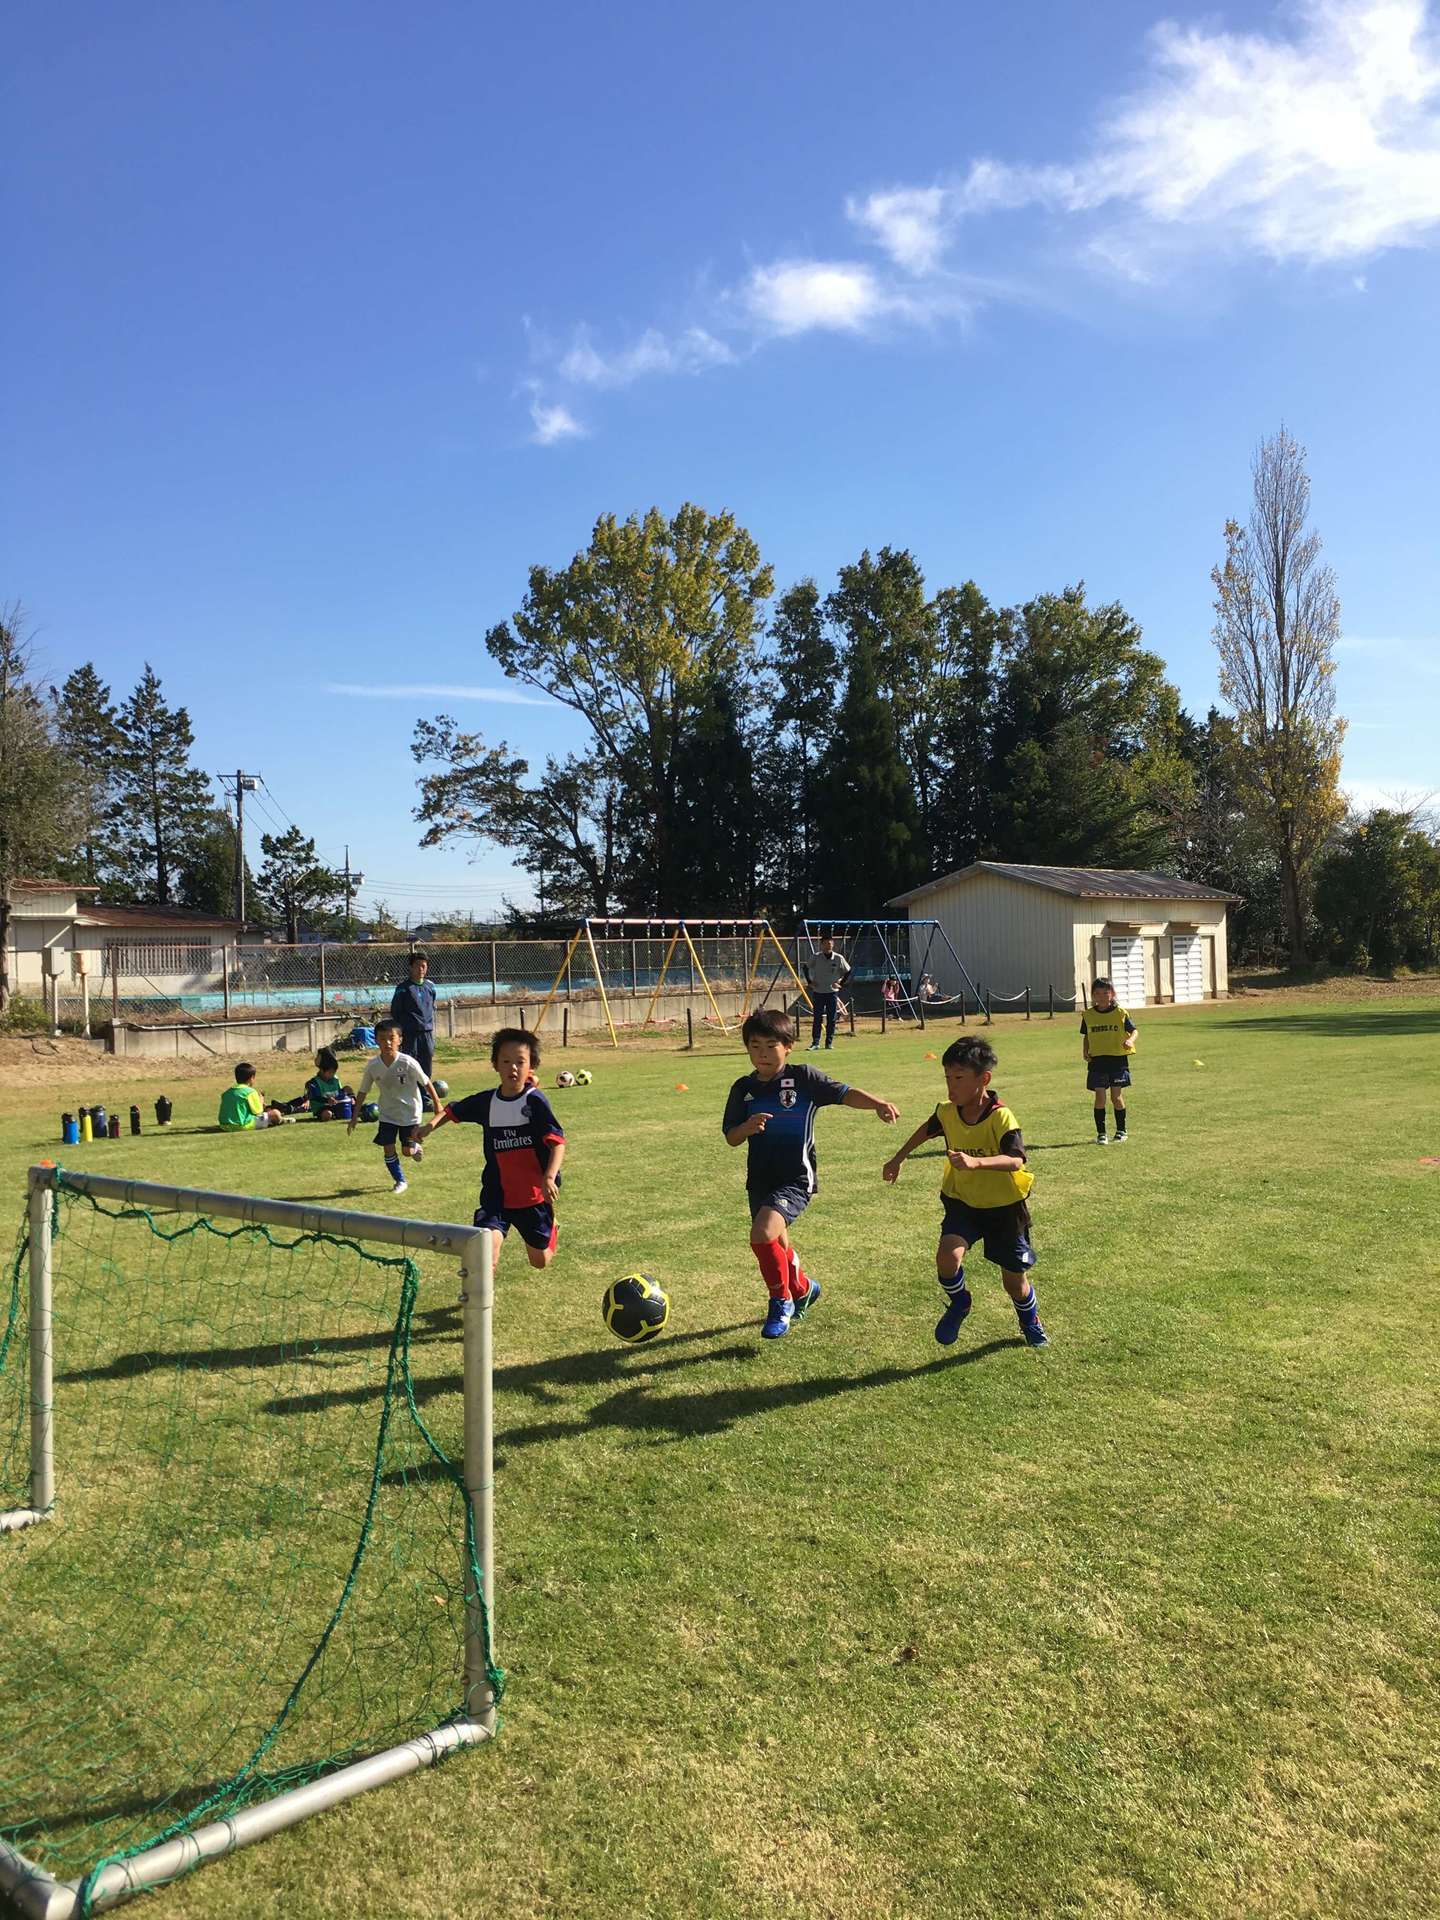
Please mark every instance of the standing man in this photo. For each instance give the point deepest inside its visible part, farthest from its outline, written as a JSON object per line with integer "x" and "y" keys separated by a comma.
{"x": 825, "y": 974}
{"x": 413, "y": 1005}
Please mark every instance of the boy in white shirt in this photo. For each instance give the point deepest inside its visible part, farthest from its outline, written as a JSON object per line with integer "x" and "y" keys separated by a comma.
{"x": 401, "y": 1085}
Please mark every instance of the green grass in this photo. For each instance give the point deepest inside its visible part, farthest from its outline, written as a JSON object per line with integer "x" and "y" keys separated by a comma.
{"x": 839, "y": 1626}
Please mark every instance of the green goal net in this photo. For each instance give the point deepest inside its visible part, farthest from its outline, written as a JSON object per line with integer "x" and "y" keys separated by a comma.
{"x": 262, "y": 1565}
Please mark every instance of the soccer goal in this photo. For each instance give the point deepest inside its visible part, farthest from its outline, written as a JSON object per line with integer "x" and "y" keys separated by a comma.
{"x": 246, "y": 1528}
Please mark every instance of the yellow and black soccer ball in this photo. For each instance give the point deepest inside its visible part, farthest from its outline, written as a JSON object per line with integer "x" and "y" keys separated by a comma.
{"x": 636, "y": 1308}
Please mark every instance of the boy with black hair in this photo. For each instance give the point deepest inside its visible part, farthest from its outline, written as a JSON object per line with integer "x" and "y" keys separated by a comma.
{"x": 242, "y": 1108}
{"x": 402, "y": 1085}
{"x": 773, "y": 1108}
{"x": 1107, "y": 1042}
{"x": 524, "y": 1147}
{"x": 983, "y": 1192}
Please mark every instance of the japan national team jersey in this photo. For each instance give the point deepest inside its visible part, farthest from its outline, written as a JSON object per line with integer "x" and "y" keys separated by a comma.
{"x": 784, "y": 1154}
{"x": 515, "y": 1132}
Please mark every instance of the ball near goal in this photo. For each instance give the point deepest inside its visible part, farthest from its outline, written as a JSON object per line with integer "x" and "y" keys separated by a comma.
{"x": 635, "y": 1308}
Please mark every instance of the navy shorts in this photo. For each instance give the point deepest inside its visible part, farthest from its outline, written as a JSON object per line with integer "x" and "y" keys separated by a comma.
{"x": 1110, "y": 1070}
{"x": 389, "y": 1131}
{"x": 1004, "y": 1232}
{"x": 788, "y": 1202}
{"x": 535, "y": 1225}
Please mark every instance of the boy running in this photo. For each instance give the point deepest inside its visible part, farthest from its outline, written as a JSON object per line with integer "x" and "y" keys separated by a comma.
{"x": 1108, "y": 1040}
{"x": 773, "y": 1108}
{"x": 401, "y": 1084}
{"x": 524, "y": 1148}
{"x": 984, "y": 1190}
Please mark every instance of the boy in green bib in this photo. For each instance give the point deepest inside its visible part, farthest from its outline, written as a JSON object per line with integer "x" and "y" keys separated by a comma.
{"x": 983, "y": 1193}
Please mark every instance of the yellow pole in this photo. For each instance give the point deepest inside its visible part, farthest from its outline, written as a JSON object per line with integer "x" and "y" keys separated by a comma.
{"x": 560, "y": 975}
{"x": 664, "y": 969}
{"x": 700, "y": 969}
{"x": 754, "y": 972}
{"x": 600, "y": 978}
{"x": 780, "y": 949}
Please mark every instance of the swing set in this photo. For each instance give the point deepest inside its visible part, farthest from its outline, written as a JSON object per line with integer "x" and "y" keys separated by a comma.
{"x": 897, "y": 942}
{"x": 679, "y": 941}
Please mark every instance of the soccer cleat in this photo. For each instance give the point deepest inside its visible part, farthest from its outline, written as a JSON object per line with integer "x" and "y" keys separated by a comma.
{"x": 1035, "y": 1334}
{"x": 947, "y": 1328}
{"x": 1101, "y": 1141}
{"x": 1120, "y": 1136}
{"x": 777, "y": 1320}
{"x": 401, "y": 1186}
{"x": 802, "y": 1307}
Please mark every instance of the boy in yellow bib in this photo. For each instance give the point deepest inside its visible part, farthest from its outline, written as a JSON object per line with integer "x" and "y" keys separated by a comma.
{"x": 984, "y": 1190}
{"x": 1107, "y": 1040}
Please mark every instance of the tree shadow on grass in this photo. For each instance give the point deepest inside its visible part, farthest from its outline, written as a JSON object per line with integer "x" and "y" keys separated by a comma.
{"x": 1358, "y": 1023}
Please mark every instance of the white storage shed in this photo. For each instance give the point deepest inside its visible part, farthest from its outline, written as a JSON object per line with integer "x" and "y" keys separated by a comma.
{"x": 1157, "y": 937}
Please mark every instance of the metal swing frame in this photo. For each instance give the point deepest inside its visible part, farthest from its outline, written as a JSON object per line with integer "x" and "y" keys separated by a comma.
{"x": 815, "y": 930}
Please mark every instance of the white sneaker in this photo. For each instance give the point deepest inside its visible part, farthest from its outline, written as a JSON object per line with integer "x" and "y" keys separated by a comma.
{"x": 401, "y": 1186}
{"x": 1101, "y": 1141}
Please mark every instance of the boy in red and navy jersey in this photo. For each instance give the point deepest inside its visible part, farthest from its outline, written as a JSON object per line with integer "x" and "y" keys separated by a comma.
{"x": 524, "y": 1147}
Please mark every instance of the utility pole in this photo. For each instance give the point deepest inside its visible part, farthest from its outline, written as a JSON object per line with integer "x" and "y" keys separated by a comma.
{"x": 244, "y": 783}
{"x": 352, "y": 881}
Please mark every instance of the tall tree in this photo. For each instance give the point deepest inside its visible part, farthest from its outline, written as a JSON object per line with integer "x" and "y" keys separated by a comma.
{"x": 206, "y": 877}
{"x": 630, "y": 635}
{"x": 162, "y": 804}
{"x": 1277, "y": 618}
{"x": 293, "y": 881}
{"x": 37, "y": 783}
{"x": 563, "y": 826}
{"x": 971, "y": 635}
{"x": 870, "y": 845}
{"x": 87, "y": 730}
{"x": 806, "y": 664}
{"x": 715, "y": 812}
{"x": 1215, "y": 840}
{"x": 1377, "y": 893}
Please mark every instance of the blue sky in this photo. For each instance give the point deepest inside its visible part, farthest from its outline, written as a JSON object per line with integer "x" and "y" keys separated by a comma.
{"x": 325, "y": 321}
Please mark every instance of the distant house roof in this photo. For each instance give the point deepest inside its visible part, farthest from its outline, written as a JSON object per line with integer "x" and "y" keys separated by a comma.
{"x": 1081, "y": 883}
{"x": 52, "y": 886}
{"x": 154, "y": 920}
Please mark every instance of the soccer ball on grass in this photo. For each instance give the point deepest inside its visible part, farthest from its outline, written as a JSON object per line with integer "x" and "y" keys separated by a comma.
{"x": 583, "y": 1076}
{"x": 635, "y": 1308}
{"x": 565, "y": 1078}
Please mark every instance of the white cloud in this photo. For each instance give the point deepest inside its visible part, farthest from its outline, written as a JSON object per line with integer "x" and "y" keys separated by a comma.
{"x": 553, "y": 422}
{"x": 799, "y": 296}
{"x": 410, "y": 690}
{"x": 909, "y": 223}
{"x": 693, "y": 351}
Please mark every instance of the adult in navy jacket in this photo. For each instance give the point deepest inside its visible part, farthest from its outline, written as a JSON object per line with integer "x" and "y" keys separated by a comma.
{"x": 413, "y": 1005}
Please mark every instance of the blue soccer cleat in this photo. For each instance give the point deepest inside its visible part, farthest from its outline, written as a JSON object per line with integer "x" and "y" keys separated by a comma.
{"x": 1035, "y": 1334}
{"x": 802, "y": 1307}
{"x": 777, "y": 1320}
{"x": 947, "y": 1328}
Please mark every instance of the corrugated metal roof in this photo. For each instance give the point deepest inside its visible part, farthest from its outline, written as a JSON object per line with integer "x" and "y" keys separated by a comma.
{"x": 1081, "y": 883}
{"x": 152, "y": 919}
{"x": 54, "y": 886}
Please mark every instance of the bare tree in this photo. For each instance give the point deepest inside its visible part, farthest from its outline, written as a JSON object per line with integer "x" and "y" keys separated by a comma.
{"x": 1277, "y": 618}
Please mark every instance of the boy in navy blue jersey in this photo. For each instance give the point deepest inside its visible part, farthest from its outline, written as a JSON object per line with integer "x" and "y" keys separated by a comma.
{"x": 524, "y": 1148}
{"x": 773, "y": 1108}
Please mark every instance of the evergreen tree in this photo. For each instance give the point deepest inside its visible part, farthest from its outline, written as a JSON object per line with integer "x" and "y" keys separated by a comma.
{"x": 715, "y": 812}
{"x": 87, "y": 731}
{"x": 972, "y": 634}
{"x": 869, "y": 828}
{"x": 1377, "y": 894}
{"x": 292, "y": 881}
{"x": 162, "y": 804}
{"x": 206, "y": 879}
{"x": 37, "y": 783}
{"x": 807, "y": 668}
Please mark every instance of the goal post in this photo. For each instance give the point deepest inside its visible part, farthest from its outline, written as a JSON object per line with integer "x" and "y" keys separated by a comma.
{"x": 68, "y": 1358}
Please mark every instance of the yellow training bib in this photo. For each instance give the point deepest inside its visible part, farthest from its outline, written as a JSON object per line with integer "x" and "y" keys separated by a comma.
{"x": 986, "y": 1186}
{"x": 1106, "y": 1031}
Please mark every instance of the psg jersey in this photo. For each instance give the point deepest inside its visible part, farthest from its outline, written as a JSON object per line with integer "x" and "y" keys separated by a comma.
{"x": 516, "y": 1131}
{"x": 783, "y": 1155}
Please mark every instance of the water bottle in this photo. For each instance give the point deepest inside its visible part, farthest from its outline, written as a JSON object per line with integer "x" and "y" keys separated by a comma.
{"x": 69, "y": 1130}
{"x": 163, "y": 1111}
{"x": 87, "y": 1125}
{"x": 100, "y": 1121}
{"x": 114, "y": 1126}
{"x": 134, "y": 1119}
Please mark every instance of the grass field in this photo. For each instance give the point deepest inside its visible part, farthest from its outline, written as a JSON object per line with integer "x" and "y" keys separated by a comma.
{"x": 840, "y": 1626}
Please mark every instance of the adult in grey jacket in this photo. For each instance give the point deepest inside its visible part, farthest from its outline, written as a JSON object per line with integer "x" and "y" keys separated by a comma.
{"x": 413, "y": 1005}
{"x": 825, "y": 974}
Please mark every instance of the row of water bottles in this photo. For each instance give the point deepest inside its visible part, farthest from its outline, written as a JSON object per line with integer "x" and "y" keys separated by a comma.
{"x": 93, "y": 1123}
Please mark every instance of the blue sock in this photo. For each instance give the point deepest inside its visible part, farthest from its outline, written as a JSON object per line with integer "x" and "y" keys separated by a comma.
{"x": 392, "y": 1167}
{"x": 1028, "y": 1311}
{"x": 954, "y": 1289}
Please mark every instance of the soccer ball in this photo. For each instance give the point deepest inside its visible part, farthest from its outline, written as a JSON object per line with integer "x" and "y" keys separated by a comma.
{"x": 583, "y": 1076}
{"x": 636, "y": 1308}
{"x": 442, "y": 1087}
{"x": 565, "y": 1078}
{"x": 370, "y": 1110}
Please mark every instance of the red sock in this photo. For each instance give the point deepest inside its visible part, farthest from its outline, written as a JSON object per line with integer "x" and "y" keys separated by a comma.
{"x": 773, "y": 1261}
{"x": 799, "y": 1282}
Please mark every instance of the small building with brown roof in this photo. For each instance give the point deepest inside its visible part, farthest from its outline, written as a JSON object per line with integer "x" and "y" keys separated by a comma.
{"x": 58, "y": 930}
{"x": 1157, "y": 937}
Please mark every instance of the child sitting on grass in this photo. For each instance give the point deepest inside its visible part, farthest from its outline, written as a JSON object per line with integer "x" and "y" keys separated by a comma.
{"x": 242, "y": 1109}
{"x": 773, "y": 1108}
{"x": 984, "y": 1190}
{"x": 323, "y": 1090}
